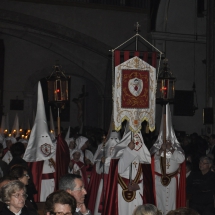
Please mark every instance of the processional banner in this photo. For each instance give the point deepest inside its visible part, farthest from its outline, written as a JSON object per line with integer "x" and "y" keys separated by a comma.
{"x": 134, "y": 94}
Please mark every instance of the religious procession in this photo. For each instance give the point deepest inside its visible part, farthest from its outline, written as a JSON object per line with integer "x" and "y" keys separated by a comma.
{"x": 127, "y": 169}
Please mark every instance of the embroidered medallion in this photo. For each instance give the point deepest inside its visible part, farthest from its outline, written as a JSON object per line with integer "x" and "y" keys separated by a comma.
{"x": 46, "y": 149}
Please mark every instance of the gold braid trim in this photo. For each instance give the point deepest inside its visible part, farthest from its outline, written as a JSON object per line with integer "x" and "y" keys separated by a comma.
{"x": 128, "y": 195}
{"x": 53, "y": 163}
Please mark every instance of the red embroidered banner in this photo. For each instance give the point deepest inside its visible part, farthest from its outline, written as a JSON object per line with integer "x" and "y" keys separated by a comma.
{"x": 135, "y": 89}
{"x": 122, "y": 56}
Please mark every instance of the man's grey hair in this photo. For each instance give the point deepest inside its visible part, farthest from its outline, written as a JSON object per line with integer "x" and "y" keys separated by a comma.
{"x": 207, "y": 158}
{"x": 67, "y": 182}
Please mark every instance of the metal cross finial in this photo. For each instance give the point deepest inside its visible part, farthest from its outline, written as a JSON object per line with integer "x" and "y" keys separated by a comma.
{"x": 137, "y": 27}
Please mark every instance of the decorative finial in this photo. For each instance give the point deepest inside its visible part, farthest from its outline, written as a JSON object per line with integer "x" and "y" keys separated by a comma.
{"x": 137, "y": 27}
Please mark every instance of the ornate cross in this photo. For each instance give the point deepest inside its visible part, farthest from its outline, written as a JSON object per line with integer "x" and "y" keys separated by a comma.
{"x": 135, "y": 163}
{"x": 137, "y": 26}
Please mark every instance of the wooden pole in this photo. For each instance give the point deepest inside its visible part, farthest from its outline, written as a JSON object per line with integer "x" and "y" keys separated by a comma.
{"x": 58, "y": 122}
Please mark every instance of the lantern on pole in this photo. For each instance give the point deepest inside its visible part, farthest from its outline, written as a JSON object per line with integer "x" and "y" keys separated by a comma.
{"x": 165, "y": 85}
{"x": 58, "y": 90}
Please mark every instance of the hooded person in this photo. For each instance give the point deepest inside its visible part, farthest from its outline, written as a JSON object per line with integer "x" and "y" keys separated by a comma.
{"x": 89, "y": 164}
{"x": 169, "y": 174}
{"x": 15, "y": 128}
{"x": 129, "y": 176}
{"x": 100, "y": 171}
{"x": 82, "y": 143}
{"x": 41, "y": 153}
{"x": 77, "y": 166}
{"x": 70, "y": 142}
{"x": 7, "y": 154}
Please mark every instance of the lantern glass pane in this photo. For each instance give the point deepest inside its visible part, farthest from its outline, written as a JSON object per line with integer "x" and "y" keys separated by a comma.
{"x": 58, "y": 91}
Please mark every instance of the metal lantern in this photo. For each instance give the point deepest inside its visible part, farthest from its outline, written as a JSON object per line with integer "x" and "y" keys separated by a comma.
{"x": 58, "y": 92}
{"x": 165, "y": 85}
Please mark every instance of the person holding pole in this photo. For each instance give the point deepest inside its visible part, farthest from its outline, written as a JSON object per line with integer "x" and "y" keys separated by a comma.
{"x": 168, "y": 167}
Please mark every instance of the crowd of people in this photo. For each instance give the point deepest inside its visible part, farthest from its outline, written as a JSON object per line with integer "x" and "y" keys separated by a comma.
{"x": 136, "y": 174}
{"x": 98, "y": 173}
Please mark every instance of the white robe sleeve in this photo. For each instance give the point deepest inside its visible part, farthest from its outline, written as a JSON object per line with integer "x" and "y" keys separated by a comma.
{"x": 178, "y": 156}
{"x": 126, "y": 159}
{"x": 99, "y": 166}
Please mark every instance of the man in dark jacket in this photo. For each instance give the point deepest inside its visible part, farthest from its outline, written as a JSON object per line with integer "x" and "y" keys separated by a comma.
{"x": 201, "y": 188}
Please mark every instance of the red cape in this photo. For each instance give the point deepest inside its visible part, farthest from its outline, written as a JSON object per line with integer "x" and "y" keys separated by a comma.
{"x": 62, "y": 159}
{"x": 62, "y": 163}
{"x": 93, "y": 189}
{"x": 181, "y": 190}
{"x": 111, "y": 195}
{"x": 36, "y": 169}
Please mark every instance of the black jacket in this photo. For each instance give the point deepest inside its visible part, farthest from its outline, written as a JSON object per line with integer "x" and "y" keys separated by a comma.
{"x": 201, "y": 188}
{"x": 6, "y": 211}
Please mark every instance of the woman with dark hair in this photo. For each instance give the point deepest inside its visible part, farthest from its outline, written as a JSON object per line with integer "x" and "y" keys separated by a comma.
{"x": 60, "y": 202}
{"x": 20, "y": 173}
{"x": 17, "y": 151}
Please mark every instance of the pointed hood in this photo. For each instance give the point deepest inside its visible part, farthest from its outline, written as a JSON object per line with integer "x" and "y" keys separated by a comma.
{"x": 80, "y": 141}
{"x": 89, "y": 155}
{"x": 40, "y": 145}
{"x": 140, "y": 147}
{"x": 107, "y": 149}
{"x": 52, "y": 127}
{"x": 67, "y": 139}
{"x": 16, "y": 126}
{"x": 170, "y": 134}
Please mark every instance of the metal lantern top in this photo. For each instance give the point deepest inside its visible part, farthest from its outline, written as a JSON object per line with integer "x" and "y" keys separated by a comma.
{"x": 165, "y": 85}
{"x": 58, "y": 92}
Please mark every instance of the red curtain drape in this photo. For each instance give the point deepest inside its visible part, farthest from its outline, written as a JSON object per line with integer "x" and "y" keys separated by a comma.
{"x": 122, "y": 56}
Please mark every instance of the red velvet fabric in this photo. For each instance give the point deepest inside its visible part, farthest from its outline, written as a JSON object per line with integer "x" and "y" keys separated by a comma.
{"x": 126, "y": 55}
{"x": 89, "y": 169}
{"x": 181, "y": 194}
{"x": 148, "y": 195}
{"x": 116, "y": 57}
{"x": 153, "y": 176}
{"x": 102, "y": 198}
{"x": 154, "y": 59}
{"x": 93, "y": 189}
{"x": 62, "y": 159}
{"x": 111, "y": 195}
{"x": 145, "y": 56}
{"x": 36, "y": 169}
